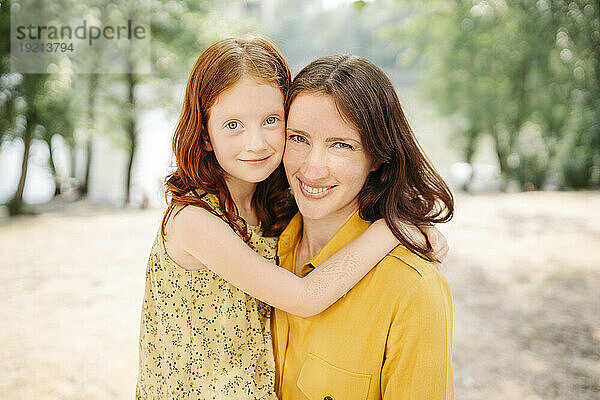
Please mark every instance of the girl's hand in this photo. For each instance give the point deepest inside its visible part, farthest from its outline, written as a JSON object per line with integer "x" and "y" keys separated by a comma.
{"x": 438, "y": 241}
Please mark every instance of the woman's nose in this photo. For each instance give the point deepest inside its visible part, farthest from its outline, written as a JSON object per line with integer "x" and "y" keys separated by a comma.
{"x": 315, "y": 165}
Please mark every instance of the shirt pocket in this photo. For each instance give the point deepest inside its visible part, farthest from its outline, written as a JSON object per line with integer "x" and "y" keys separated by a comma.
{"x": 319, "y": 380}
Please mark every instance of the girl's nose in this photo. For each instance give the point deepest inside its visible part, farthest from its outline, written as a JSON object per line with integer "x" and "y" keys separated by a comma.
{"x": 256, "y": 140}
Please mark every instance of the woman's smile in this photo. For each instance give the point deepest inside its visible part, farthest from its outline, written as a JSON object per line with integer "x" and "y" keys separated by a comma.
{"x": 315, "y": 191}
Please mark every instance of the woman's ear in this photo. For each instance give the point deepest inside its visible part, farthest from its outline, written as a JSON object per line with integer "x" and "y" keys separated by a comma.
{"x": 208, "y": 146}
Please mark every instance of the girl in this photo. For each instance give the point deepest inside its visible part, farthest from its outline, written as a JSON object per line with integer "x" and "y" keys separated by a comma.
{"x": 204, "y": 334}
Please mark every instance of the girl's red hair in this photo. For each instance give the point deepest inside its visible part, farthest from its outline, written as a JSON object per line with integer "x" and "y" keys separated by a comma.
{"x": 198, "y": 172}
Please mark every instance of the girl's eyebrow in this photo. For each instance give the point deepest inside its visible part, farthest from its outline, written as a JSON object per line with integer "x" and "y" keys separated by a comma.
{"x": 236, "y": 115}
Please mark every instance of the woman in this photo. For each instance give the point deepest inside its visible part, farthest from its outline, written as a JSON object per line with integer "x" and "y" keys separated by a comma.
{"x": 351, "y": 158}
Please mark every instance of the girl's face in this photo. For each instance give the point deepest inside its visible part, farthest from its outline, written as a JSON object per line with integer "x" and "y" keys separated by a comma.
{"x": 246, "y": 130}
{"x": 325, "y": 162}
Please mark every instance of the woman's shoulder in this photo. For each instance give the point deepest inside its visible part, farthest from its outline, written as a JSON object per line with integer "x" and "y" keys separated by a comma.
{"x": 404, "y": 271}
{"x": 416, "y": 264}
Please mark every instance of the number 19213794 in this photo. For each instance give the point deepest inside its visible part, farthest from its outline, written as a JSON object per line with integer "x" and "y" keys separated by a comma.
{"x": 46, "y": 47}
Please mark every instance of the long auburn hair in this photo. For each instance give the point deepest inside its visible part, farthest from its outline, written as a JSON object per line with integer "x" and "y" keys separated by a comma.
{"x": 405, "y": 187}
{"x": 198, "y": 172}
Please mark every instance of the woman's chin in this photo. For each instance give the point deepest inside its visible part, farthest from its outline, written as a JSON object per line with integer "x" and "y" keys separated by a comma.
{"x": 313, "y": 211}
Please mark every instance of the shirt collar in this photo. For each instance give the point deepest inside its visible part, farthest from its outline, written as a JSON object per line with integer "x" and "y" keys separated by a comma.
{"x": 290, "y": 238}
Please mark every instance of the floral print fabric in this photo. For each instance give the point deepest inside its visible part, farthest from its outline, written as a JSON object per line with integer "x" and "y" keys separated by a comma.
{"x": 200, "y": 337}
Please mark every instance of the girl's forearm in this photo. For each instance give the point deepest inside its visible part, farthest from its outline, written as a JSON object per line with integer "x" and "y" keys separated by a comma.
{"x": 342, "y": 271}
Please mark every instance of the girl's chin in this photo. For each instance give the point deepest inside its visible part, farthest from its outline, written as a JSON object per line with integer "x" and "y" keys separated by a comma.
{"x": 256, "y": 177}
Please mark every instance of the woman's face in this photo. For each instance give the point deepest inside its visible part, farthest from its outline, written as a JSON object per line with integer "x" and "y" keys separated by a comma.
{"x": 246, "y": 130}
{"x": 325, "y": 161}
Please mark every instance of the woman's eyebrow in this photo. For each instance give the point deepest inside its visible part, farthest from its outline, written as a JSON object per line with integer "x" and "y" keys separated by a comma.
{"x": 341, "y": 139}
{"x": 298, "y": 131}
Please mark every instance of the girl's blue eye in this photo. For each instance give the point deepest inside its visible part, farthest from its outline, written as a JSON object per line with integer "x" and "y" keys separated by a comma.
{"x": 233, "y": 125}
{"x": 271, "y": 120}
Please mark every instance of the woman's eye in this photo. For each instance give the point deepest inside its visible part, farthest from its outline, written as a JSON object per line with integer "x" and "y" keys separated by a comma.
{"x": 271, "y": 120}
{"x": 232, "y": 125}
{"x": 297, "y": 138}
{"x": 342, "y": 145}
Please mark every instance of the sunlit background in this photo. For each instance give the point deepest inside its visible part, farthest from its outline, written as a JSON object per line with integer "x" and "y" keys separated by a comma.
{"x": 504, "y": 97}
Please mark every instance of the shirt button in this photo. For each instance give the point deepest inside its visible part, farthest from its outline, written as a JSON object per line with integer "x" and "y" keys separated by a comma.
{"x": 327, "y": 398}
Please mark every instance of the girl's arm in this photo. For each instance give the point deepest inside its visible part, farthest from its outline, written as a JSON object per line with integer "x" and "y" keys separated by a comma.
{"x": 207, "y": 238}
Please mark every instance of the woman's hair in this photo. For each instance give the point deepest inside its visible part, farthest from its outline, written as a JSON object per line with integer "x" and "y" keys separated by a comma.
{"x": 198, "y": 172}
{"x": 405, "y": 187}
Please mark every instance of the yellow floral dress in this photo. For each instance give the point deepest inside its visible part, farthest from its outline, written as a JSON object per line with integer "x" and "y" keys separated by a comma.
{"x": 200, "y": 337}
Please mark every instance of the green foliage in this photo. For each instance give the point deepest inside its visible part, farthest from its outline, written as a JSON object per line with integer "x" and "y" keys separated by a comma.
{"x": 525, "y": 72}
{"x": 359, "y": 5}
{"x": 307, "y": 31}
{"x": 39, "y": 106}
{"x": 181, "y": 30}
{"x": 6, "y": 82}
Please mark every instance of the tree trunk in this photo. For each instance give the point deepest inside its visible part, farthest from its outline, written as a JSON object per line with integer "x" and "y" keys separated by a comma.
{"x": 596, "y": 103}
{"x": 502, "y": 153}
{"x": 16, "y": 205}
{"x": 131, "y": 131}
{"x": 73, "y": 160}
{"x": 53, "y": 168}
{"x": 468, "y": 153}
{"x": 92, "y": 89}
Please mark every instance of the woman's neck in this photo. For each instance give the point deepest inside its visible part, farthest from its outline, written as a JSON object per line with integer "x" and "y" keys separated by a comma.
{"x": 316, "y": 234}
{"x": 241, "y": 193}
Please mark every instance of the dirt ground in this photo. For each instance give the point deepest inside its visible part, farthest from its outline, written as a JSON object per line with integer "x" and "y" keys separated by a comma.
{"x": 524, "y": 270}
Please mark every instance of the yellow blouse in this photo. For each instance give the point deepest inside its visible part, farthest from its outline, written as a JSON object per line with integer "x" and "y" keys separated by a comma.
{"x": 390, "y": 337}
{"x": 200, "y": 337}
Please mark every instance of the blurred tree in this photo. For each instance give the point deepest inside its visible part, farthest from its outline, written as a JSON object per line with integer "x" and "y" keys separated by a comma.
{"x": 29, "y": 94}
{"x": 524, "y": 72}
{"x": 6, "y": 86}
{"x": 58, "y": 117}
{"x": 91, "y": 114}
{"x": 179, "y": 33}
{"x": 19, "y": 102}
{"x": 181, "y": 29}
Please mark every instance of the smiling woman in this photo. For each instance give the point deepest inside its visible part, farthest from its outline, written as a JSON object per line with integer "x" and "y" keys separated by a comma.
{"x": 324, "y": 158}
{"x": 351, "y": 158}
